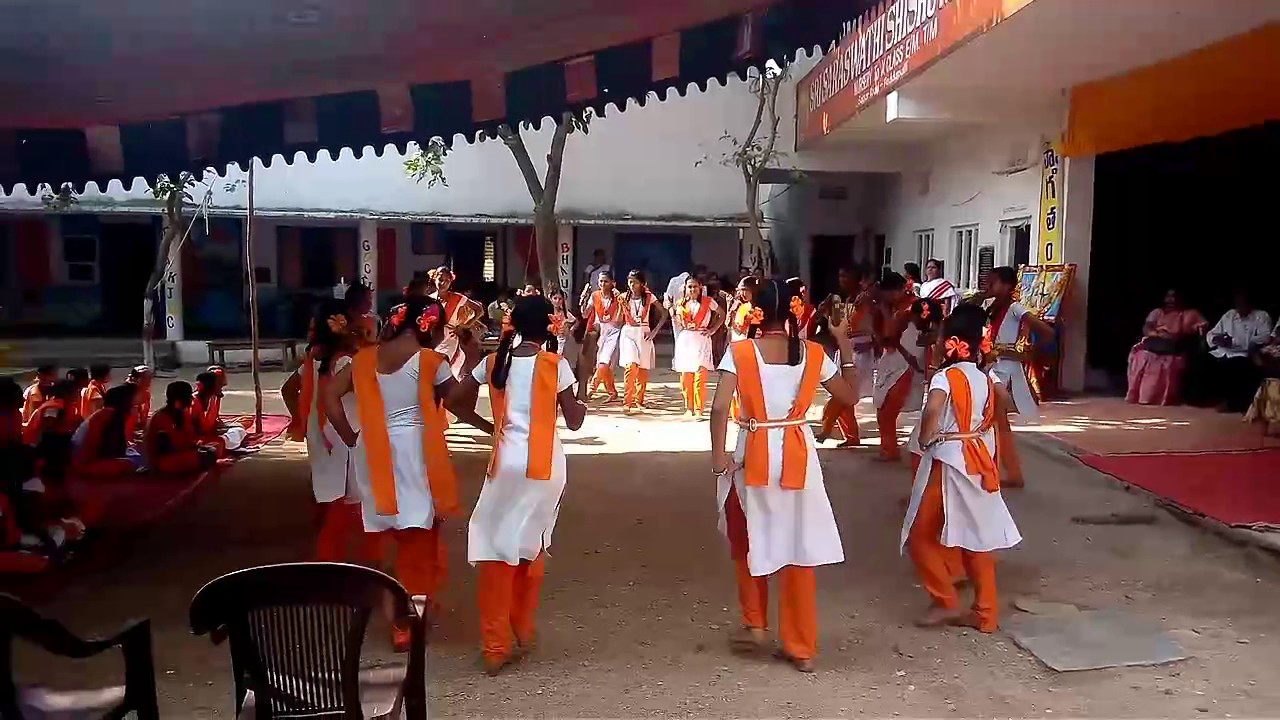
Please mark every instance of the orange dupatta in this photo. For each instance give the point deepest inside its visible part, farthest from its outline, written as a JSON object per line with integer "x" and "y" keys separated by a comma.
{"x": 977, "y": 458}
{"x": 542, "y": 411}
{"x": 377, "y": 442}
{"x": 695, "y": 320}
{"x": 649, "y": 300}
{"x": 795, "y": 454}
{"x": 602, "y": 315}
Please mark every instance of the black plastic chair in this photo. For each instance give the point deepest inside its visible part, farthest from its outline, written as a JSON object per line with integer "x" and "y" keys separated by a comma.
{"x": 138, "y": 695}
{"x": 296, "y": 631}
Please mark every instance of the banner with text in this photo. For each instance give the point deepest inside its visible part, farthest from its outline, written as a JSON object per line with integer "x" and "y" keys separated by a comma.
{"x": 889, "y": 44}
{"x": 1052, "y": 181}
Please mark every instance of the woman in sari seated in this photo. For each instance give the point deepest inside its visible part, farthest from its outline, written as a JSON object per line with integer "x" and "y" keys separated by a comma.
{"x": 171, "y": 443}
{"x": 1157, "y": 363}
{"x": 100, "y": 448}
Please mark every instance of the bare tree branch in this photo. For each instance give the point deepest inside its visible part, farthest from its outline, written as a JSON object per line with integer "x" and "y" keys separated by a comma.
{"x": 755, "y": 124}
{"x": 555, "y": 159}
{"x": 515, "y": 143}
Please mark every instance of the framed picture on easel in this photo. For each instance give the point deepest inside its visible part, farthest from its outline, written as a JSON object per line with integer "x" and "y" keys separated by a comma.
{"x": 1043, "y": 288}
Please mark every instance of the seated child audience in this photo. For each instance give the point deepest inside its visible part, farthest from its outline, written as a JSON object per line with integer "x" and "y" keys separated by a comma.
{"x": 92, "y": 396}
{"x": 171, "y": 445}
{"x": 37, "y": 392}
{"x": 100, "y": 448}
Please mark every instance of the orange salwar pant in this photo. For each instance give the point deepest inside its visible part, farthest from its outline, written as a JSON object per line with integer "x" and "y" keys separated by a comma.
{"x": 798, "y": 604}
{"x": 419, "y": 562}
{"x": 508, "y": 604}
{"x": 888, "y": 412}
{"x": 341, "y": 523}
{"x": 935, "y": 563}
{"x": 1007, "y": 457}
{"x": 693, "y": 385}
{"x": 838, "y": 415}
{"x": 604, "y": 379}
{"x": 636, "y": 380}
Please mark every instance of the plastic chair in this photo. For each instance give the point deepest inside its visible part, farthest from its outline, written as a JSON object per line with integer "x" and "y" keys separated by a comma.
{"x": 138, "y": 695}
{"x": 296, "y": 631}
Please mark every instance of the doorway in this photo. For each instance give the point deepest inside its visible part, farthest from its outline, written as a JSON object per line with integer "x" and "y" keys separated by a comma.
{"x": 465, "y": 249}
{"x": 127, "y": 253}
{"x": 829, "y": 254}
{"x": 661, "y": 256}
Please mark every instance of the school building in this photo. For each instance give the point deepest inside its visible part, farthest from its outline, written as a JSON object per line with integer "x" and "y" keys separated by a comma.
{"x": 1128, "y": 138}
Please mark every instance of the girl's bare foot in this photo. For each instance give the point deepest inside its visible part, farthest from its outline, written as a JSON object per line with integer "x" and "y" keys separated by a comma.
{"x": 492, "y": 666}
{"x": 748, "y": 640}
{"x": 822, "y": 437}
{"x": 938, "y": 617}
{"x": 1013, "y": 482}
{"x": 970, "y": 619}
{"x": 850, "y": 444}
{"x": 804, "y": 665}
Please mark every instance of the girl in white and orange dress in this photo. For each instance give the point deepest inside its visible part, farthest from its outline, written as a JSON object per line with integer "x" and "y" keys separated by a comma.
{"x": 401, "y": 464}
{"x": 956, "y": 511}
{"x": 635, "y": 344}
{"x": 698, "y": 317}
{"x": 771, "y": 497}
{"x": 510, "y": 530}
{"x": 463, "y": 317}
{"x": 603, "y": 313}
{"x": 332, "y": 478}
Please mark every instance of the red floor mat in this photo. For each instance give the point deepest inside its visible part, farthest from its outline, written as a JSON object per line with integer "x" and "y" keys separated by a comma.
{"x": 1236, "y": 488}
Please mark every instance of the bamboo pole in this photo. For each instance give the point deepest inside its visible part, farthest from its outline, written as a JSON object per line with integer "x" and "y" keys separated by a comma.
{"x": 253, "y": 304}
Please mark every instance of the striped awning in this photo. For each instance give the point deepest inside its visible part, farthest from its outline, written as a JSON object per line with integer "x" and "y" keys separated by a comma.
{"x": 97, "y": 91}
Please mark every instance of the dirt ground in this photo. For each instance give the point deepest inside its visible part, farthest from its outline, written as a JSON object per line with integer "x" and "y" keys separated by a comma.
{"x": 639, "y": 597}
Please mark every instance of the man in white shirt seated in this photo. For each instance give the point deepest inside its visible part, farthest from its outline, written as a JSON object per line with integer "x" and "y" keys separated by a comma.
{"x": 1240, "y": 333}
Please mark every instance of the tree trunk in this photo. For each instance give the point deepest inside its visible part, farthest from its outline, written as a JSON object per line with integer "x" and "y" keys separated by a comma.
{"x": 171, "y": 224}
{"x": 546, "y": 233}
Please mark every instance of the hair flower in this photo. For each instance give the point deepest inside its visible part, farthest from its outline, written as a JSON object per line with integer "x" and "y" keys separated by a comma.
{"x": 957, "y": 348}
{"x": 556, "y": 327}
{"x": 924, "y": 311}
{"x": 797, "y": 306}
{"x": 507, "y": 327}
{"x": 756, "y": 316}
{"x": 398, "y": 315}
{"x": 337, "y": 323}
{"x": 429, "y": 318}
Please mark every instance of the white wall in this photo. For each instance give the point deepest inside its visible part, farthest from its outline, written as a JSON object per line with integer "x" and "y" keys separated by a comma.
{"x": 954, "y": 184}
{"x": 641, "y": 163}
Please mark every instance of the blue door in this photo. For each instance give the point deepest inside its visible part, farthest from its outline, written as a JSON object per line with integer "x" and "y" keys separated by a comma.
{"x": 661, "y": 256}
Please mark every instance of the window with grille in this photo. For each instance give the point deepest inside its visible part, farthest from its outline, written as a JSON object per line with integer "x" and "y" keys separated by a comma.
{"x": 924, "y": 246}
{"x": 965, "y": 256}
{"x": 490, "y": 270}
{"x": 80, "y": 259}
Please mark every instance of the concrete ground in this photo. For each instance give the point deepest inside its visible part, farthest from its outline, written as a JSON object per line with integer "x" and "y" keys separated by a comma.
{"x": 639, "y": 598}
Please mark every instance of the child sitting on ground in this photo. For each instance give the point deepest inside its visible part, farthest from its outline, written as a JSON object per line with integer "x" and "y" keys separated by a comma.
{"x": 206, "y": 408}
{"x": 100, "y": 448}
{"x": 38, "y": 391}
{"x": 171, "y": 444}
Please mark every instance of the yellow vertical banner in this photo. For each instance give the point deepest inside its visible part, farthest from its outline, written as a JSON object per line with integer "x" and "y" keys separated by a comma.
{"x": 1052, "y": 181}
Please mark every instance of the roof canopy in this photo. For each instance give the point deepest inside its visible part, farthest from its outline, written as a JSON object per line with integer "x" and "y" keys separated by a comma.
{"x": 96, "y": 90}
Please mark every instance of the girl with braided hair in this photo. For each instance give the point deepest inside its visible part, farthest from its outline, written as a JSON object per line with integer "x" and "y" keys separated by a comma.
{"x": 403, "y": 472}
{"x": 956, "y": 508}
{"x": 771, "y": 497}
{"x": 510, "y": 529}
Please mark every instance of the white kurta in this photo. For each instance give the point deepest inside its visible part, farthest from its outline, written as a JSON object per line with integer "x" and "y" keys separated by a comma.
{"x": 693, "y": 350}
{"x": 404, "y": 429}
{"x": 1010, "y": 371}
{"x": 331, "y": 476}
{"x": 635, "y": 346}
{"x": 451, "y": 345}
{"x": 515, "y": 516}
{"x": 974, "y": 519}
{"x": 892, "y": 366}
{"x": 610, "y": 333}
{"x": 784, "y": 527}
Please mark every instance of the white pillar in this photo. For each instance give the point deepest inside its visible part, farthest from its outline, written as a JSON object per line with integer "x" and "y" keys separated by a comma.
{"x": 1077, "y": 239}
{"x": 367, "y": 234}
{"x": 564, "y": 247}
{"x": 171, "y": 289}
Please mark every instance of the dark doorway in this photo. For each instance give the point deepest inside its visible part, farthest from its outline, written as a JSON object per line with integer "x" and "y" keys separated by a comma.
{"x": 830, "y": 253}
{"x": 465, "y": 250}
{"x": 319, "y": 258}
{"x": 127, "y": 252}
{"x": 1193, "y": 216}
{"x": 1021, "y": 245}
{"x": 661, "y": 256}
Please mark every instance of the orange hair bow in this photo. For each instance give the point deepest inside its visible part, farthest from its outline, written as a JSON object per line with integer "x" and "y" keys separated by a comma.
{"x": 957, "y": 348}
{"x": 397, "y": 317}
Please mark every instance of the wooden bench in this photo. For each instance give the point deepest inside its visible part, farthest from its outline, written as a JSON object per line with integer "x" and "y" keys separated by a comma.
{"x": 288, "y": 349}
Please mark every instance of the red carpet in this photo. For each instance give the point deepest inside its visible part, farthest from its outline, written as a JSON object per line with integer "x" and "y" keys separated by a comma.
{"x": 142, "y": 499}
{"x": 1237, "y": 488}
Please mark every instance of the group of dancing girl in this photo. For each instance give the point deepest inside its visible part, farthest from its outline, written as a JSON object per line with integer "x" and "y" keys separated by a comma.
{"x": 374, "y": 409}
